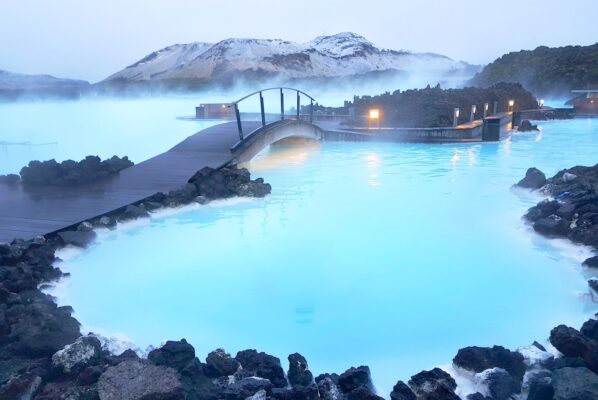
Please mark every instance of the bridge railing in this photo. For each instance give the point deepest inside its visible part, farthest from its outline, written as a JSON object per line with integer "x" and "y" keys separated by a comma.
{"x": 282, "y": 96}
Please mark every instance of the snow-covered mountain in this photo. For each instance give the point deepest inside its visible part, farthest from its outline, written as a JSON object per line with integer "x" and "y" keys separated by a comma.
{"x": 14, "y": 81}
{"x": 341, "y": 55}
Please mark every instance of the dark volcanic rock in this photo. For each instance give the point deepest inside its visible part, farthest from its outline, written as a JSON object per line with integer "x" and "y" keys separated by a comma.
{"x": 534, "y": 179}
{"x": 328, "y": 387}
{"x": 500, "y": 384}
{"x": 553, "y": 225}
{"x": 355, "y": 377}
{"x": 220, "y": 363}
{"x": 402, "y": 392}
{"x": 571, "y": 343}
{"x": 77, "y": 238}
{"x": 591, "y": 262}
{"x": 136, "y": 380}
{"x": 435, "y": 384}
{"x": 174, "y": 354}
{"x": 133, "y": 212}
{"x": 296, "y": 393}
{"x": 590, "y": 329}
{"x": 363, "y": 393}
{"x": 84, "y": 351}
{"x": 299, "y": 373}
{"x": 478, "y": 359}
{"x": 262, "y": 365}
{"x": 228, "y": 182}
{"x": 575, "y": 384}
{"x": 246, "y": 387}
{"x": 541, "y": 389}
{"x": 527, "y": 126}
{"x": 477, "y": 396}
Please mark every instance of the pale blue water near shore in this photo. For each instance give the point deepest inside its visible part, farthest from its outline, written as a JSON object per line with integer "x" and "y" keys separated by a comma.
{"x": 390, "y": 255}
{"x": 137, "y": 128}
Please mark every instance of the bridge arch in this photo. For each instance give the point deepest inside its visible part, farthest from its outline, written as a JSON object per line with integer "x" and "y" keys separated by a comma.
{"x": 264, "y": 134}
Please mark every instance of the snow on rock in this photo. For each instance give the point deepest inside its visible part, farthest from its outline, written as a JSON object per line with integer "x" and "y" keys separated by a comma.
{"x": 343, "y": 54}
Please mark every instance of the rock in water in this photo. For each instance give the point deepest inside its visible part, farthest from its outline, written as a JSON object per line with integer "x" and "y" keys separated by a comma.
{"x": 220, "y": 363}
{"x": 435, "y": 384}
{"x": 572, "y": 343}
{"x": 534, "y": 179}
{"x": 173, "y": 354}
{"x": 590, "y": 329}
{"x": 527, "y": 126}
{"x": 575, "y": 384}
{"x": 136, "y": 380}
{"x": 591, "y": 262}
{"x": 500, "y": 383}
{"x": 133, "y": 212}
{"x": 552, "y": 225}
{"x": 355, "y": 377}
{"x": 262, "y": 365}
{"x": 299, "y": 373}
{"x": 402, "y": 392}
{"x": 478, "y": 359}
{"x": 77, "y": 238}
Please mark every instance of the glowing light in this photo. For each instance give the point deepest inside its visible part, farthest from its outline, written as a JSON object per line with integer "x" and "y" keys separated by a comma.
{"x": 457, "y": 112}
{"x": 374, "y": 113}
{"x": 486, "y": 106}
{"x": 511, "y": 103}
{"x": 541, "y": 102}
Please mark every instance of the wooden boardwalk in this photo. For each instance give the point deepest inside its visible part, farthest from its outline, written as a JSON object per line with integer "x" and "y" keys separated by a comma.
{"x": 29, "y": 212}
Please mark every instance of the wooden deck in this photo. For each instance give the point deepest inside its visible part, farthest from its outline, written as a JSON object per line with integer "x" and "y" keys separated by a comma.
{"x": 29, "y": 212}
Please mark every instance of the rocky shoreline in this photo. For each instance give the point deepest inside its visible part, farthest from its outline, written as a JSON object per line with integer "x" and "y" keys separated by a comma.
{"x": 44, "y": 356}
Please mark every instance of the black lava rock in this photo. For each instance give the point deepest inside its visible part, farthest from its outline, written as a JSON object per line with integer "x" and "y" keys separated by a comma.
{"x": 262, "y": 365}
{"x": 174, "y": 354}
{"x": 590, "y": 329}
{"x": 478, "y": 359}
{"x": 527, "y": 126}
{"x": 402, "y": 392}
{"x": 435, "y": 384}
{"x": 571, "y": 343}
{"x": 77, "y": 238}
{"x": 220, "y": 363}
{"x": 553, "y": 225}
{"x": 363, "y": 393}
{"x": 591, "y": 262}
{"x": 541, "y": 389}
{"x": 133, "y": 212}
{"x": 353, "y": 378}
{"x": 299, "y": 373}
{"x": 501, "y": 384}
{"x": 534, "y": 179}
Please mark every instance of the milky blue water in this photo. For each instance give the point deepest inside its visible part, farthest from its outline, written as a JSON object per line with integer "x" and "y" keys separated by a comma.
{"x": 389, "y": 255}
{"x": 137, "y": 128}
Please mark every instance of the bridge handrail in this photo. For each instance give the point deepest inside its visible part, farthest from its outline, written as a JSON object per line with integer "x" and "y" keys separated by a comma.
{"x": 267, "y": 89}
{"x": 235, "y": 105}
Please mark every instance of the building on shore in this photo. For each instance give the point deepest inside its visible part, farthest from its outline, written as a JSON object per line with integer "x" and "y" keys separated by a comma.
{"x": 585, "y": 100}
{"x": 214, "y": 111}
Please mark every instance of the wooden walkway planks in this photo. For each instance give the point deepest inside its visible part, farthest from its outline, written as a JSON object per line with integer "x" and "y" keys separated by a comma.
{"x": 26, "y": 213}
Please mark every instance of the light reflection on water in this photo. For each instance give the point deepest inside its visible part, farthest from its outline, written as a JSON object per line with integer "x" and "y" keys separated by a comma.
{"x": 389, "y": 255}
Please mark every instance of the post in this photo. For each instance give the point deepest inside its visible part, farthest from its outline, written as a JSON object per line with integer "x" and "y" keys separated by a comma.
{"x": 239, "y": 121}
{"x": 495, "y": 108}
{"x": 262, "y": 109}
{"x": 311, "y": 111}
{"x": 456, "y": 117}
{"x": 486, "y": 107}
{"x": 298, "y": 105}
{"x": 511, "y": 106}
{"x": 472, "y": 115}
{"x": 281, "y": 105}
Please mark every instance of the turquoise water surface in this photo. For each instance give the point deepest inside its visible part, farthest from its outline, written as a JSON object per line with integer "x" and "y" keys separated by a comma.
{"x": 388, "y": 255}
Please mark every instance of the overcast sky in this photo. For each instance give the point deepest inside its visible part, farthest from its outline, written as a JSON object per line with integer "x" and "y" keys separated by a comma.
{"x": 90, "y": 39}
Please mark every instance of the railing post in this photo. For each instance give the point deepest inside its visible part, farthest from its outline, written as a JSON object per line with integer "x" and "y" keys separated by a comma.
{"x": 239, "y": 121}
{"x": 281, "y": 105}
{"x": 311, "y": 111}
{"x": 298, "y": 105}
{"x": 262, "y": 109}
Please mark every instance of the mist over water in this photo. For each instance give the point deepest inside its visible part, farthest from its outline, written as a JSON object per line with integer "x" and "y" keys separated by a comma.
{"x": 388, "y": 255}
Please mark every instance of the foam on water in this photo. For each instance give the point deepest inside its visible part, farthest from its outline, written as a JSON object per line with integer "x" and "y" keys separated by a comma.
{"x": 389, "y": 255}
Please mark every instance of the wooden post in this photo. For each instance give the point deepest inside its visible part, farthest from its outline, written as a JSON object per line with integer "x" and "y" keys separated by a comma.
{"x": 239, "y": 126}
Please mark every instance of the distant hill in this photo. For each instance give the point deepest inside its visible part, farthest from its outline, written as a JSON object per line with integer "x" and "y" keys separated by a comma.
{"x": 253, "y": 60}
{"x": 545, "y": 71}
{"x": 14, "y": 86}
